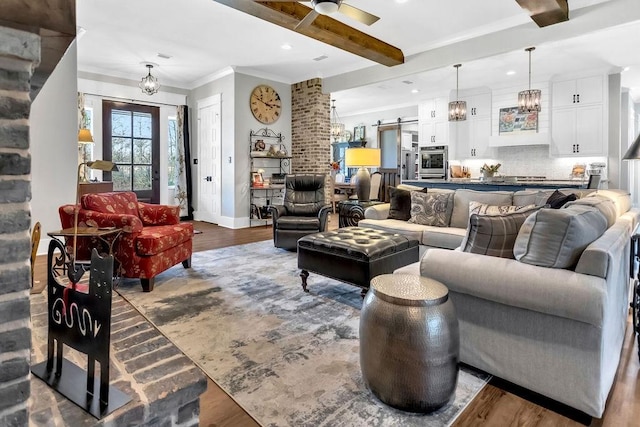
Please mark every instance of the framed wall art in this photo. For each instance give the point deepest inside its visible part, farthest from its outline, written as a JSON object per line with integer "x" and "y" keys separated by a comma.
{"x": 358, "y": 133}
{"x": 512, "y": 122}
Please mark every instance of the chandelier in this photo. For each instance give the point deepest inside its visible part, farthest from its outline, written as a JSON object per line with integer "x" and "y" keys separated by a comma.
{"x": 337, "y": 128}
{"x": 457, "y": 109}
{"x": 149, "y": 84}
{"x": 529, "y": 100}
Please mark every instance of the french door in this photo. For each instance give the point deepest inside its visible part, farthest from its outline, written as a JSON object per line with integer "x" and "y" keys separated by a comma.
{"x": 131, "y": 139}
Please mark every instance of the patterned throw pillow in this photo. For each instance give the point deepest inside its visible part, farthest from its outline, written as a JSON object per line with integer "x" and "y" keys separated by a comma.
{"x": 400, "y": 203}
{"x": 495, "y": 235}
{"x": 431, "y": 208}
{"x": 484, "y": 209}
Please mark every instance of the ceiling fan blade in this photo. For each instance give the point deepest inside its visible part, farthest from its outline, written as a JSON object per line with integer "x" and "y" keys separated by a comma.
{"x": 307, "y": 20}
{"x": 357, "y": 14}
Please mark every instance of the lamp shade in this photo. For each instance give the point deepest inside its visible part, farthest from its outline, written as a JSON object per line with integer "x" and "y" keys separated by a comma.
{"x": 634, "y": 151}
{"x": 85, "y": 137}
{"x": 362, "y": 157}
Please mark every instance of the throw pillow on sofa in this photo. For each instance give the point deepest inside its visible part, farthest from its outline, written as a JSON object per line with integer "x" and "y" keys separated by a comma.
{"x": 431, "y": 209}
{"x": 603, "y": 204}
{"x": 557, "y": 237}
{"x": 495, "y": 234}
{"x": 557, "y": 199}
{"x": 400, "y": 203}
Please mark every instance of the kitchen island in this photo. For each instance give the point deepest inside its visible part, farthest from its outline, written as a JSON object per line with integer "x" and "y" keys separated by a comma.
{"x": 495, "y": 184}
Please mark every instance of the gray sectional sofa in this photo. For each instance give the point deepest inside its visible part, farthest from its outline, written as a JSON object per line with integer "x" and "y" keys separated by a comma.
{"x": 556, "y": 331}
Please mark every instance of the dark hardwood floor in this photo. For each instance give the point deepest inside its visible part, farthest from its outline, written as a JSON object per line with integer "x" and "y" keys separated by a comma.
{"x": 496, "y": 405}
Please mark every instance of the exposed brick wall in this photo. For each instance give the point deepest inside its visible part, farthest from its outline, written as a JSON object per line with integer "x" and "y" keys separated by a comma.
{"x": 310, "y": 119}
{"x": 19, "y": 51}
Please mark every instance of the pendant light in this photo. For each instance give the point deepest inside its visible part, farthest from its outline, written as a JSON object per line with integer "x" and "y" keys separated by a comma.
{"x": 457, "y": 108}
{"x": 529, "y": 100}
{"x": 337, "y": 128}
{"x": 149, "y": 84}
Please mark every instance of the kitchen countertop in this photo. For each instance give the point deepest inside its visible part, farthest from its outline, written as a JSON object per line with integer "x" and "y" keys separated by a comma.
{"x": 473, "y": 181}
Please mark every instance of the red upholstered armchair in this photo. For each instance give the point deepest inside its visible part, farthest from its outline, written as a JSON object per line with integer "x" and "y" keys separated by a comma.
{"x": 153, "y": 239}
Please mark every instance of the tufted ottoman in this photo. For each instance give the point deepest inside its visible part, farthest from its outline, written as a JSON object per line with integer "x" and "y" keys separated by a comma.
{"x": 354, "y": 255}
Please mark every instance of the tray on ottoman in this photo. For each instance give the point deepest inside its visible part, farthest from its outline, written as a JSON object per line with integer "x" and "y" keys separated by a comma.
{"x": 354, "y": 255}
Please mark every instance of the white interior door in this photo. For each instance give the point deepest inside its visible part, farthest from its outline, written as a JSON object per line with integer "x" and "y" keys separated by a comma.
{"x": 209, "y": 146}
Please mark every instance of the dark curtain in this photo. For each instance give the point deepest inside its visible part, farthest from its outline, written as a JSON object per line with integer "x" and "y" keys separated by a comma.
{"x": 187, "y": 164}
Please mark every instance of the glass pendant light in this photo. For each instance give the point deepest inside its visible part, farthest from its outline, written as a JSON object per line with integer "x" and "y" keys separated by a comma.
{"x": 529, "y": 100}
{"x": 149, "y": 84}
{"x": 457, "y": 108}
{"x": 337, "y": 128}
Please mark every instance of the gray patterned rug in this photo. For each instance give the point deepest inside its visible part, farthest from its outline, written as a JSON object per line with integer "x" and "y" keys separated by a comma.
{"x": 287, "y": 357}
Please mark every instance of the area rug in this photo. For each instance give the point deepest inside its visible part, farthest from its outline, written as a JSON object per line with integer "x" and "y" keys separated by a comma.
{"x": 287, "y": 357}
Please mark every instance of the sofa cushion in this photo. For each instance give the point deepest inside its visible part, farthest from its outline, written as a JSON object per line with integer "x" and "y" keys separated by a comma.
{"x": 154, "y": 240}
{"x": 431, "y": 209}
{"x": 462, "y": 197}
{"x": 606, "y": 207}
{"x": 400, "y": 203}
{"x": 121, "y": 202}
{"x": 495, "y": 235}
{"x": 557, "y": 199}
{"x": 621, "y": 199}
{"x": 413, "y": 231}
{"x": 288, "y": 222}
{"x": 556, "y": 237}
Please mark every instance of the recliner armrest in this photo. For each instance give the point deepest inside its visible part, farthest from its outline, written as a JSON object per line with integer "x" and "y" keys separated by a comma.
{"x": 276, "y": 212}
{"x": 323, "y": 215}
{"x": 89, "y": 218}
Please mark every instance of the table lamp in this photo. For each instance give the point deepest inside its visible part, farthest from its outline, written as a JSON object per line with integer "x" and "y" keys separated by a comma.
{"x": 362, "y": 158}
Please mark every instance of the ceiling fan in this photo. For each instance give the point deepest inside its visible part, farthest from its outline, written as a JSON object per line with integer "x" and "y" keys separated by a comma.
{"x": 328, "y": 7}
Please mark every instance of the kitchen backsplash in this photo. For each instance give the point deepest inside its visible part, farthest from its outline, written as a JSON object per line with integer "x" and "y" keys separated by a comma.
{"x": 532, "y": 160}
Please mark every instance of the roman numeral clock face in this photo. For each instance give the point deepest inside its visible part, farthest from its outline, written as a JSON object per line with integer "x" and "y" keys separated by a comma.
{"x": 265, "y": 104}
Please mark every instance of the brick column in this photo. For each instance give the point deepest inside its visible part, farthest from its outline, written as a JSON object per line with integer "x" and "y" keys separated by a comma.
{"x": 19, "y": 51}
{"x": 310, "y": 119}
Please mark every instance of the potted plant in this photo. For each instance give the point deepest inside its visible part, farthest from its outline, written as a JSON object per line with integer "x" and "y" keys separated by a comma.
{"x": 489, "y": 170}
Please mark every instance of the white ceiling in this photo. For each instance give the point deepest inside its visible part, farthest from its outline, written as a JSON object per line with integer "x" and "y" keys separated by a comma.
{"x": 204, "y": 37}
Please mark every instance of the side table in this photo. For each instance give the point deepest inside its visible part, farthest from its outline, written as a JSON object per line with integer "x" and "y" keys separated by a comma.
{"x": 62, "y": 265}
{"x": 350, "y": 212}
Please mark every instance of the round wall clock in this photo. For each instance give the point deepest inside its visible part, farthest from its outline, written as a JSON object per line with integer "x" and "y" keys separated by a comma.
{"x": 265, "y": 104}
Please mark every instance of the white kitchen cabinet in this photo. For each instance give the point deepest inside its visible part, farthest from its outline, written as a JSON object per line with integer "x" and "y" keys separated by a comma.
{"x": 433, "y": 122}
{"x": 470, "y": 138}
{"x": 578, "y": 131}
{"x": 577, "y": 92}
{"x": 577, "y": 119}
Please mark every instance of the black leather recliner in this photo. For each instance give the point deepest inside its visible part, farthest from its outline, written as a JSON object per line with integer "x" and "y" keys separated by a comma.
{"x": 304, "y": 210}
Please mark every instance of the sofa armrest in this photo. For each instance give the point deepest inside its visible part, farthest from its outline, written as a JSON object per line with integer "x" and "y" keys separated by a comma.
{"x": 323, "y": 215}
{"x": 553, "y": 291}
{"x": 380, "y": 211}
{"x": 276, "y": 212}
{"x": 151, "y": 214}
{"x": 89, "y": 218}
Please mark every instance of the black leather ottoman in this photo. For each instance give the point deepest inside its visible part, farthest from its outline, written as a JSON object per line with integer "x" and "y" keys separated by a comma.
{"x": 354, "y": 255}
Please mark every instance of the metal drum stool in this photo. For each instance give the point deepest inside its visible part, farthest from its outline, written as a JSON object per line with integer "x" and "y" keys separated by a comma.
{"x": 409, "y": 342}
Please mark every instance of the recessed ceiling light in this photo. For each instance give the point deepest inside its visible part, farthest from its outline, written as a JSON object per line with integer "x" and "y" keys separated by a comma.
{"x": 286, "y": 46}
{"x": 626, "y": 68}
{"x": 401, "y": 1}
{"x": 415, "y": 90}
{"x": 510, "y": 73}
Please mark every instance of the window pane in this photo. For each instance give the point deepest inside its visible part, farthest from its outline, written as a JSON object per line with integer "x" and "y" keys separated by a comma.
{"x": 173, "y": 152}
{"x": 142, "y": 125}
{"x": 142, "y": 151}
{"x": 121, "y": 150}
{"x": 120, "y": 123}
{"x": 141, "y": 178}
{"x": 122, "y": 178}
